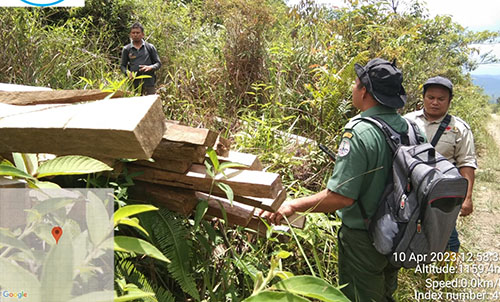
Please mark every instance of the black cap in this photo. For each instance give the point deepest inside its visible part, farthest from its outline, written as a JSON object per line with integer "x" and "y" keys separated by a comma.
{"x": 384, "y": 81}
{"x": 442, "y": 81}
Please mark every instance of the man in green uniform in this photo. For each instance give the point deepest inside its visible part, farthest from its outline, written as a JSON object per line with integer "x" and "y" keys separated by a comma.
{"x": 456, "y": 142}
{"x": 364, "y": 161}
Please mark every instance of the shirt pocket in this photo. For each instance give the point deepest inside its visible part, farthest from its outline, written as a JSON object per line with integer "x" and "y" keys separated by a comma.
{"x": 446, "y": 145}
{"x": 449, "y": 138}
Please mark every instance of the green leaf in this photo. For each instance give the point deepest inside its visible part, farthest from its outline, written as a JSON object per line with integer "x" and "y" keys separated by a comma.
{"x": 209, "y": 169}
{"x": 28, "y": 162}
{"x": 71, "y": 165}
{"x": 139, "y": 246}
{"x": 131, "y": 296}
{"x": 227, "y": 165}
{"x": 8, "y": 170}
{"x": 213, "y": 158}
{"x": 15, "y": 243}
{"x": 46, "y": 185}
{"x": 142, "y": 77}
{"x": 267, "y": 296}
{"x": 5, "y": 162}
{"x": 311, "y": 287}
{"x": 23, "y": 280}
{"x": 130, "y": 210}
{"x": 201, "y": 210}
{"x": 133, "y": 222}
{"x": 103, "y": 296}
{"x": 226, "y": 189}
{"x": 57, "y": 274}
{"x": 97, "y": 218}
{"x": 283, "y": 254}
{"x": 52, "y": 205}
{"x": 284, "y": 274}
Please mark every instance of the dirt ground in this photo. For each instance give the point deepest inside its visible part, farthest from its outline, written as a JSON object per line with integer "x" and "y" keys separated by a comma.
{"x": 480, "y": 233}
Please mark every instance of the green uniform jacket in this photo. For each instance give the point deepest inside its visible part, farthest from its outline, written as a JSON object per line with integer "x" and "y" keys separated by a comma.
{"x": 364, "y": 161}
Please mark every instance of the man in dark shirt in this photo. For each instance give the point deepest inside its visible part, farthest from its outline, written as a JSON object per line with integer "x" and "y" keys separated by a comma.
{"x": 142, "y": 58}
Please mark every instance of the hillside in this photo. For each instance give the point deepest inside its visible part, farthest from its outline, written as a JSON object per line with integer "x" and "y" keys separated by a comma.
{"x": 490, "y": 84}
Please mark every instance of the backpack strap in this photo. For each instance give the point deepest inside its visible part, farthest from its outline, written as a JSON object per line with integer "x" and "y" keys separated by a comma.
{"x": 444, "y": 123}
{"x": 416, "y": 137}
{"x": 392, "y": 137}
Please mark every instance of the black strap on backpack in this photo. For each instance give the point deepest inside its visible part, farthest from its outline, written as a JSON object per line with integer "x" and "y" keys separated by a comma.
{"x": 440, "y": 131}
{"x": 394, "y": 139}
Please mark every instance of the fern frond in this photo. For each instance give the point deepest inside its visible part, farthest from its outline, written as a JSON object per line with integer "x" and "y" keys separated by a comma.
{"x": 163, "y": 295}
{"x": 170, "y": 237}
{"x": 126, "y": 269}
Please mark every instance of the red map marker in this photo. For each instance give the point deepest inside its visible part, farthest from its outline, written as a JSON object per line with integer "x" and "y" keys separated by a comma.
{"x": 57, "y": 233}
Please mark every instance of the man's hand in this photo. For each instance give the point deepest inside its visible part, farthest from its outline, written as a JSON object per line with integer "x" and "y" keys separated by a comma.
{"x": 467, "y": 207}
{"x": 325, "y": 201}
{"x": 145, "y": 68}
{"x": 286, "y": 210}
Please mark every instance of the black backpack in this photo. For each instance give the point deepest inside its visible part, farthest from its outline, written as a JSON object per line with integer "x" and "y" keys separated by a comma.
{"x": 421, "y": 201}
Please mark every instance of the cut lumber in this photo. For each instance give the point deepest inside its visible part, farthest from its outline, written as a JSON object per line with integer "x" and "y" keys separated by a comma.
{"x": 167, "y": 165}
{"x": 268, "y": 204}
{"x": 114, "y": 128}
{"x": 179, "y": 200}
{"x": 53, "y": 96}
{"x": 179, "y": 151}
{"x": 249, "y": 160}
{"x": 185, "y": 134}
{"x": 242, "y": 182}
{"x": 16, "y": 87}
{"x": 6, "y": 182}
{"x": 237, "y": 213}
{"x": 296, "y": 220}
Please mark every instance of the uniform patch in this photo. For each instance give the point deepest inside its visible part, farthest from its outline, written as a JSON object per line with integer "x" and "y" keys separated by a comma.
{"x": 344, "y": 148}
{"x": 347, "y": 134}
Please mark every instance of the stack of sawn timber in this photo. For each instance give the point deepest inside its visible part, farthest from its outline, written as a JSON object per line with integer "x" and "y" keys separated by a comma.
{"x": 37, "y": 120}
{"x": 177, "y": 178}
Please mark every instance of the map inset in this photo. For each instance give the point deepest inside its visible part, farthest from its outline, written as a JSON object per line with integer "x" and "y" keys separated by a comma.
{"x": 56, "y": 245}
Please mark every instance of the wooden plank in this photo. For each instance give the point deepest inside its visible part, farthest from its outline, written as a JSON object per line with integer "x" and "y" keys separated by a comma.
{"x": 6, "y": 182}
{"x": 115, "y": 128}
{"x": 237, "y": 213}
{"x": 243, "y": 182}
{"x": 296, "y": 220}
{"x": 179, "y": 200}
{"x": 167, "y": 165}
{"x": 185, "y": 134}
{"x": 167, "y": 150}
{"x": 53, "y": 96}
{"x": 247, "y": 159}
{"x": 16, "y": 87}
{"x": 268, "y": 204}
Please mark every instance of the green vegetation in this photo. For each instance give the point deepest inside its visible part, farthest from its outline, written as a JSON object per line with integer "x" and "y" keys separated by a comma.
{"x": 258, "y": 72}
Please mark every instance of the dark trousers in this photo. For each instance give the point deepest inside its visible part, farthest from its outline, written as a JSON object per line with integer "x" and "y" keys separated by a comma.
{"x": 145, "y": 89}
{"x": 454, "y": 242}
{"x": 368, "y": 274}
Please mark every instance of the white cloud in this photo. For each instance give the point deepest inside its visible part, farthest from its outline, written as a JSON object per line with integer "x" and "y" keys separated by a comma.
{"x": 475, "y": 15}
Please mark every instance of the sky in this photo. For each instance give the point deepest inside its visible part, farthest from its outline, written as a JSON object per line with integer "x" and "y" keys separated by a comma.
{"x": 474, "y": 15}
